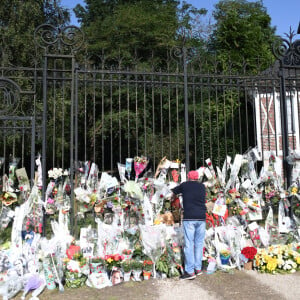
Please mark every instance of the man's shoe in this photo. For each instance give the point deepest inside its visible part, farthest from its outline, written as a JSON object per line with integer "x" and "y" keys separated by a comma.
{"x": 198, "y": 272}
{"x": 187, "y": 276}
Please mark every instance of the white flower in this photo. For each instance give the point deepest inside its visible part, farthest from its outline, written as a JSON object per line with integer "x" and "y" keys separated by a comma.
{"x": 55, "y": 173}
{"x": 50, "y": 174}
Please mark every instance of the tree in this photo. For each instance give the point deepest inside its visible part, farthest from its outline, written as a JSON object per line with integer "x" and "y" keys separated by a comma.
{"x": 242, "y": 34}
{"x": 127, "y": 29}
{"x": 18, "y": 20}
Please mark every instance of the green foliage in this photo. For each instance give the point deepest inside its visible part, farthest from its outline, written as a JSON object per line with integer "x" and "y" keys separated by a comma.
{"x": 127, "y": 265}
{"x": 137, "y": 32}
{"x": 18, "y": 20}
{"x": 136, "y": 264}
{"x": 242, "y": 34}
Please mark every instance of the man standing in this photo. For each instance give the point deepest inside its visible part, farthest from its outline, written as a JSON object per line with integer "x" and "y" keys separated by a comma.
{"x": 194, "y": 224}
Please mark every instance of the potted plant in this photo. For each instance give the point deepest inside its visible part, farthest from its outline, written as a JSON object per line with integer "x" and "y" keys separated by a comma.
{"x": 127, "y": 253}
{"x": 147, "y": 268}
{"x": 77, "y": 271}
{"x": 127, "y": 268}
{"x": 97, "y": 265}
{"x": 225, "y": 255}
{"x": 137, "y": 266}
{"x": 113, "y": 260}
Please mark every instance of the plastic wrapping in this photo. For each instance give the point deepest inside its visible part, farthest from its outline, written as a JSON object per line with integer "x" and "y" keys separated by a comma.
{"x": 153, "y": 238}
{"x": 108, "y": 238}
{"x": 148, "y": 212}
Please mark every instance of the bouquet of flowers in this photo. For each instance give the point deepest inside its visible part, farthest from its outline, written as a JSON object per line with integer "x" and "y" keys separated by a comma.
{"x": 249, "y": 252}
{"x": 148, "y": 265}
{"x": 277, "y": 259}
{"x": 140, "y": 163}
{"x": 76, "y": 271}
{"x": 225, "y": 253}
{"x": 113, "y": 260}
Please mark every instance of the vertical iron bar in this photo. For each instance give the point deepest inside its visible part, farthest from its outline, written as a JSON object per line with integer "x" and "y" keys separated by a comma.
{"x": 72, "y": 212}
{"x": 209, "y": 117}
{"x": 153, "y": 120}
{"x": 63, "y": 120}
{"x": 217, "y": 122}
{"x": 94, "y": 117}
{"x": 239, "y": 114}
{"x": 225, "y": 118}
{"x": 75, "y": 86}
{"x": 161, "y": 115}
{"x": 14, "y": 140}
{"x": 128, "y": 117}
{"x": 136, "y": 116}
{"x": 194, "y": 125}
{"x": 201, "y": 84}
{"x": 145, "y": 117}
{"x": 275, "y": 117}
{"x": 44, "y": 139}
{"x": 23, "y": 145}
{"x": 94, "y": 122}
{"x": 169, "y": 111}
{"x": 102, "y": 120}
{"x": 4, "y": 150}
{"x": 120, "y": 120}
{"x": 32, "y": 151}
{"x": 261, "y": 123}
{"x": 85, "y": 117}
{"x": 111, "y": 121}
{"x": 186, "y": 112}
{"x": 284, "y": 127}
{"x": 54, "y": 116}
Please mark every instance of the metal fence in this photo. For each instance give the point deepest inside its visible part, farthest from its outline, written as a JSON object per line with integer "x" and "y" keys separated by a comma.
{"x": 71, "y": 111}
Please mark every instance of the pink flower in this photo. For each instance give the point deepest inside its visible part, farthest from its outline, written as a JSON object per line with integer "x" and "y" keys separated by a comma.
{"x": 50, "y": 201}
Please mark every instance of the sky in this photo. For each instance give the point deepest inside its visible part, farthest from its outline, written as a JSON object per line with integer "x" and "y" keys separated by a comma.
{"x": 284, "y": 14}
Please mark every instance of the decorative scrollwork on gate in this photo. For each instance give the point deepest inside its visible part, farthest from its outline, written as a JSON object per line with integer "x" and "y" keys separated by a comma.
{"x": 9, "y": 96}
{"x": 61, "y": 39}
{"x": 183, "y": 50}
{"x": 287, "y": 50}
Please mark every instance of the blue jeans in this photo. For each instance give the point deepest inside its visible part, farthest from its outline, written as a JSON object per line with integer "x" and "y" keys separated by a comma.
{"x": 194, "y": 234}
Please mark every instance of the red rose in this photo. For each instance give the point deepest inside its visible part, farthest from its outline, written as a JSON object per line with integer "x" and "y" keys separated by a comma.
{"x": 249, "y": 252}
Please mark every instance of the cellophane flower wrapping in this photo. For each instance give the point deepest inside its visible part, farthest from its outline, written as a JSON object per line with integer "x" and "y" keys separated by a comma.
{"x": 140, "y": 163}
{"x": 153, "y": 238}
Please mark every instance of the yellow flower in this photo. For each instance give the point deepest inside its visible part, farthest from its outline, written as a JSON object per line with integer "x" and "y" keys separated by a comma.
{"x": 298, "y": 260}
{"x": 257, "y": 261}
{"x": 272, "y": 264}
{"x": 294, "y": 190}
{"x": 246, "y": 200}
{"x": 109, "y": 260}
